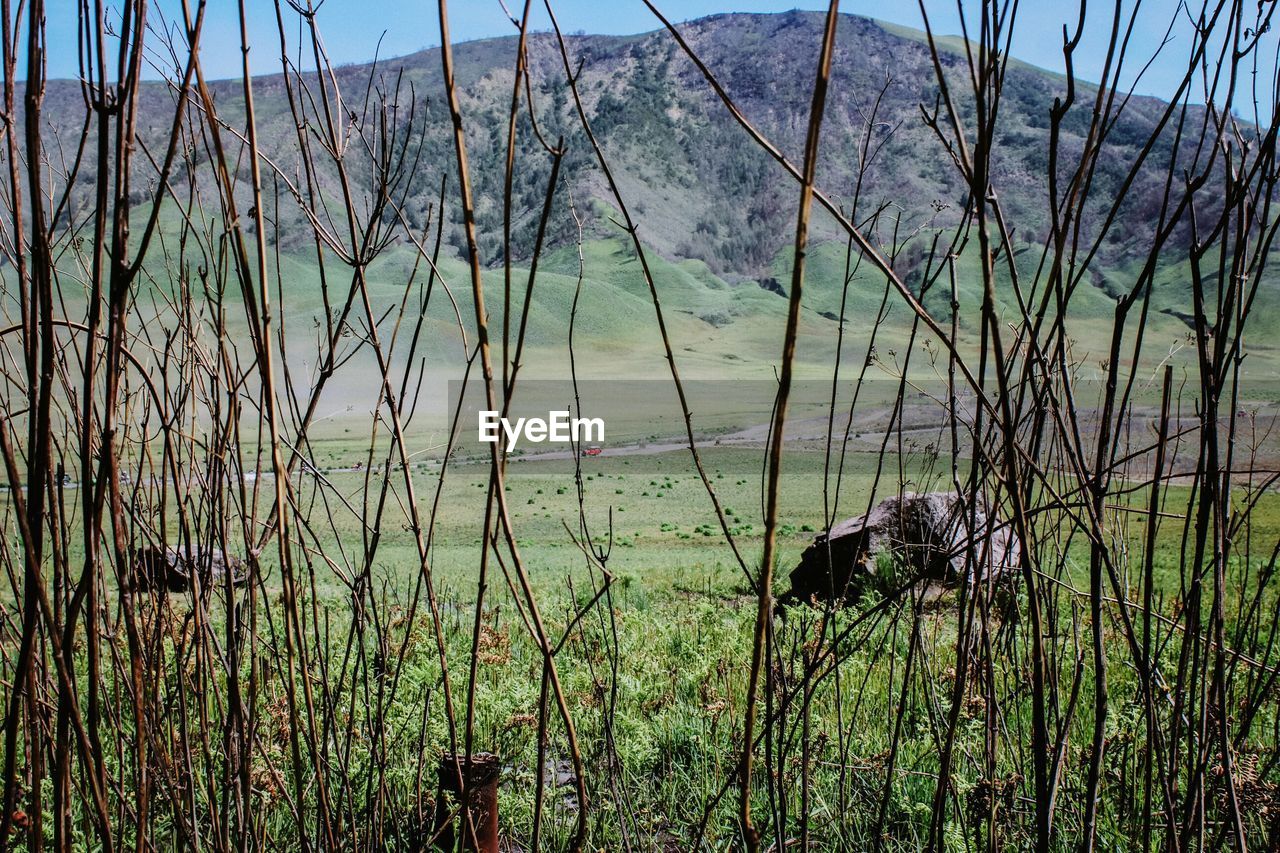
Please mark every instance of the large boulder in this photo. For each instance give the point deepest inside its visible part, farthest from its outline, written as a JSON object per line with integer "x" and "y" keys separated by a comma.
{"x": 173, "y": 568}
{"x": 906, "y": 539}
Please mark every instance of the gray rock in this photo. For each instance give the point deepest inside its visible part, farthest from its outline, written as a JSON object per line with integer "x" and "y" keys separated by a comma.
{"x": 904, "y": 539}
{"x": 173, "y": 568}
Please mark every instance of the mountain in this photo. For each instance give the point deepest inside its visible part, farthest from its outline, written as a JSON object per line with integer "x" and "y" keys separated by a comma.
{"x": 710, "y": 204}
{"x": 699, "y": 187}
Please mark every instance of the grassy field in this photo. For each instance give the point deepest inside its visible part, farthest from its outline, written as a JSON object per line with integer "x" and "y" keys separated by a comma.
{"x": 655, "y": 675}
{"x": 655, "y": 681}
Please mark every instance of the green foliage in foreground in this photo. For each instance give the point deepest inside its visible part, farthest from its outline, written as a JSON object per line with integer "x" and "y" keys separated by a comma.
{"x": 655, "y": 681}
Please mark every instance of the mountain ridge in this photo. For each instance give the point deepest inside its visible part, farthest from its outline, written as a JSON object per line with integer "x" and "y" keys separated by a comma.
{"x": 699, "y": 189}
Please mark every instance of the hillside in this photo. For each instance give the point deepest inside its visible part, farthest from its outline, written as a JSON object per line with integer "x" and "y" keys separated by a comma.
{"x": 707, "y": 201}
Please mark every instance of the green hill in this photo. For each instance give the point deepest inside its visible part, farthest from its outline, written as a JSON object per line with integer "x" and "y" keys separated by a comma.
{"x": 716, "y": 212}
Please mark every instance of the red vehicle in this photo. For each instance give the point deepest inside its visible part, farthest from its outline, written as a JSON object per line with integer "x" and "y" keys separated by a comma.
{"x": 591, "y": 451}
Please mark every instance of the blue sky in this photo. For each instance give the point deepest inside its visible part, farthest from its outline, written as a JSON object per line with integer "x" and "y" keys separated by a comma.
{"x": 352, "y": 28}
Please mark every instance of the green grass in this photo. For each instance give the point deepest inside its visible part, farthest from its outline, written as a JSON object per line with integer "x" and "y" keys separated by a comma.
{"x": 683, "y": 616}
{"x": 680, "y": 605}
